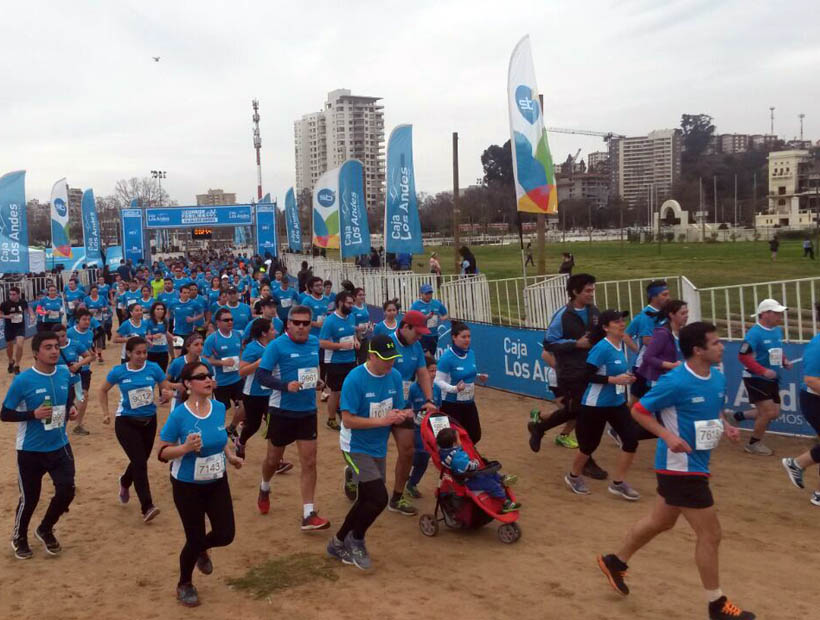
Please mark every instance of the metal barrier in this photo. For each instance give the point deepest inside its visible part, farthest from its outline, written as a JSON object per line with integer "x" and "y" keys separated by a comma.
{"x": 32, "y": 286}
{"x": 467, "y": 299}
{"x": 543, "y": 299}
{"x": 631, "y": 294}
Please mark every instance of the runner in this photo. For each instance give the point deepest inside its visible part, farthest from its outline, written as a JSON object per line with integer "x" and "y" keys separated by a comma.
{"x": 604, "y": 401}
{"x": 72, "y": 295}
{"x": 568, "y": 340}
{"x": 456, "y": 376}
{"x": 168, "y": 295}
{"x": 690, "y": 399}
{"x": 131, "y": 296}
{"x": 13, "y": 311}
{"x": 134, "y": 326}
{"x": 254, "y": 396}
{"x": 315, "y": 300}
{"x": 339, "y": 344}
{"x": 157, "y": 284}
{"x": 38, "y": 401}
{"x": 100, "y": 310}
{"x": 159, "y": 336}
{"x": 52, "y": 309}
{"x": 361, "y": 319}
{"x": 290, "y": 367}
{"x": 286, "y": 297}
{"x": 202, "y": 308}
{"x": 119, "y": 296}
{"x": 240, "y": 311}
{"x": 146, "y": 299}
{"x": 761, "y": 354}
{"x": 194, "y": 439}
{"x": 436, "y": 314}
{"x": 417, "y": 401}
{"x": 191, "y": 352}
{"x": 267, "y": 308}
{"x": 136, "y": 418}
{"x": 184, "y": 314}
{"x": 640, "y": 331}
{"x": 372, "y": 402}
{"x": 390, "y": 323}
{"x": 83, "y": 335}
{"x": 330, "y": 296}
{"x": 222, "y": 350}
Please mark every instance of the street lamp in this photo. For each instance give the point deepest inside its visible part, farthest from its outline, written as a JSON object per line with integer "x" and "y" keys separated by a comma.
{"x": 159, "y": 175}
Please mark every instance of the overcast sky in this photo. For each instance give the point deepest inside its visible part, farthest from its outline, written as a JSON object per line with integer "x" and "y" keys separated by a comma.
{"x": 81, "y": 96}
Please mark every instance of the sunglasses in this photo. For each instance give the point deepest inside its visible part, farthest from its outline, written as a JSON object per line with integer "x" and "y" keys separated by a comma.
{"x": 226, "y": 320}
{"x": 300, "y": 323}
{"x": 200, "y": 376}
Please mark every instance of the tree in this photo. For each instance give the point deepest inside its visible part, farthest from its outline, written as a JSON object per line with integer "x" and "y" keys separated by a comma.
{"x": 498, "y": 165}
{"x": 697, "y": 132}
{"x": 146, "y": 191}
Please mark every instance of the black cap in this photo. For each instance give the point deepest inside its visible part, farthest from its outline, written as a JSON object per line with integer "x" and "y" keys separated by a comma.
{"x": 232, "y": 290}
{"x": 612, "y": 315}
{"x": 383, "y": 346}
{"x": 267, "y": 301}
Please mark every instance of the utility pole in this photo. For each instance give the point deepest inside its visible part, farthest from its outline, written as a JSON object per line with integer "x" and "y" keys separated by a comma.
{"x": 735, "y": 201}
{"x": 456, "y": 206}
{"x": 702, "y": 214}
{"x": 257, "y": 145}
{"x": 714, "y": 196}
{"x": 801, "y": 116}
{"x": 771, "y": 120}
{"x": 540, "y": 218}
{"x": 754, "y": 200}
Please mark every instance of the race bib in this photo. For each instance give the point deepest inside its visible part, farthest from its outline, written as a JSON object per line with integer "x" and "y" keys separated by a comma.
{"x": 405, "y": 389}
{"x": 178, "y": 342}
{"x": 286, "y": 303}
{"x": 209, "y": 467}
{"x": 57, "y": 418}
{"x": 308, "y": 378}
{"x": 54, "y": 314}
{"x": 432, "y": 321}
{"x": 159, "y": 338}
{"x": 234, "y": 364}
{"x": 71, "y": 305}
{"x": 381, "y": 409}
{"x": 140, "y": 397}
{"x": 121, "y": 306}
{"x": 346, "y": 339}
{"x": 439, "y": 422}
{"x": 707, "y": 434}
{"x": 16, "y": 318}
{"x": 776, "y": 357}
{"x": 468, "y": 393}
{"x": 620, "y": 389}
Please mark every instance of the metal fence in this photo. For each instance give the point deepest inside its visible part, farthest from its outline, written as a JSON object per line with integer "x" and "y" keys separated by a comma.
{"x": 630, "y": 295}
{"x": 543, "y": 299}
{"x": 467, "y": 298}
{"x": 32, "y": 286}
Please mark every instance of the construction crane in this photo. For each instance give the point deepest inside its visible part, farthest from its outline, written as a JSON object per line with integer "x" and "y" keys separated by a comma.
{"x": 606, "y": 135}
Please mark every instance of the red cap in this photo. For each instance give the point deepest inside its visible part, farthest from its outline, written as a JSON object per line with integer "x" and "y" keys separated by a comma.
{"x": 416, "y": 320}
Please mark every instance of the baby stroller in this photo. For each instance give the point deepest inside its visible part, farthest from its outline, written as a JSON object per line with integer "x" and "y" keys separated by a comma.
{"x": 456, "y": 505}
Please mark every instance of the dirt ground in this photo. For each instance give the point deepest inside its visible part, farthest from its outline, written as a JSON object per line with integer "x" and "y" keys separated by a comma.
{"x": 113, "y": 565}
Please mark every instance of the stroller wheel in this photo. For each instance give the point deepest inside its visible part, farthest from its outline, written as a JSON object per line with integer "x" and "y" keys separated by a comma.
{"x": 428, "y": 524}
{"x": 451, "y": 521}
{"x": 509, "y": 533}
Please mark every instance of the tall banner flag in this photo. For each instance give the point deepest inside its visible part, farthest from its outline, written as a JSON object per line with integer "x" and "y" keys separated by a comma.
{"x": 91, "y": 227}
{"x": 326, "y": 210}
{"x": 402, "y": 229}
{"x": 13, "y": 223}
{"x": 60, "y": 244}
{"x": 535, "y": 187}
{"x": 355, "y": 233}
{"x": 292, "y": 221}
{"x": 265, "y": 227}
{"x": 132, "y": 237}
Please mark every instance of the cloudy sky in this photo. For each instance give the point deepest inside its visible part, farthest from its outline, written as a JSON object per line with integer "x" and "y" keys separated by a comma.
{"x": 82, "y": 98}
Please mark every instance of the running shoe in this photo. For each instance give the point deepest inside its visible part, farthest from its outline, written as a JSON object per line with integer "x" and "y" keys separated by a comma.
{"x": 16, "y": 370}
{"x": 624, "y": 490}
{"x": 566, "y": 441}
{"x": 333, "y": 425}
{"x": 125, "y": 493}
{"x": 336, "y": 549}
{"x": 592, "y": 470}
{"x": 187, "y": 595}
{"x": 510, "y": 506}
{"x": 615, "y": 571}
{"x": 402, "y": 506}
{"x": 263, "y": 501}
{"x": 314, "y": 522}
{"x": 48, "y": 539}
{"x": 351, "y": 488}
{"x": 358, "y": 552}
{"x": 794, "y": 471}
{"x": 576, "y": 484}
{"x": 324, "y": 396}
{"x": 536, "y": 435}
{"x": 149, "y": 514}
{"x": 758, "y": 448}
{"x": 11, "y": 368}
{"x": 239, "y": 448}
{"x": 204, "y": 564}
{"x": 815, "y": 498}
{"x": 535, "y": 415}
{"x": 413, "y": 491}
{"x": 614, "y": 436}
{"x": 284, "y": 466}
{"x": 21, "y": 549}
{"x": 80, "y": 430}
{"x": 724, "y": 609}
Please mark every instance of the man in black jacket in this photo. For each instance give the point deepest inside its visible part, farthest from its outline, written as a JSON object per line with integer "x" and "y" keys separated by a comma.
{"x": 568, "y": 340}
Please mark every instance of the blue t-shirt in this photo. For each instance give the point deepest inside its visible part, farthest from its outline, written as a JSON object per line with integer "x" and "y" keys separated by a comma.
{"x": 331, "y": 302}
{"x": 27, "y": 392}
{"x": 811, "y": 362}
{"x": 611, "y": 361}
{"x": 213, "y": 295}
{"x": 369, "y": 396}
{"x": 104, "y": 291}
{"x": 285, "y": 300}
{"x": 168, "y": 298}
{"x": 224, "y": 347}
{"x": 137, "y": 388}
{"x": 153, "y": 332}
{"x": 146, "y": 303}
{"x": 72, "y": 299}
{"x": 360, "y": 316}
{"x": 202, "y": 307}
{"x": 181, "y": 312}
{"x": 412, "y": 358}
{"x": 416, "y": 399}
{"x": 277, "y": 326}
{"x": 128, "y": 329}
{"x": 767, "y": 345}
{"x": 252, "y": 352}
{"x": 85, "y": 340}
{"x": 99, "y": 308}
{"x": 182, "y": 422}
{"x": 53, "y": 308}
{"x": 433, "y": 310}
{"x": 642, "y": 326}
{"x": 318, "y": 309}
{"x": 129, "y": 298}
{"x": 70, "y": 353}
{"x": 180, "y": 282}
{"x": 382, "y": 328}
{"x": 241, "y": 314}
{"x": 338, "y": 329}
{"x": 455, "y": 368}
{"x": 178, "y": 363}
{"x": 293, "y": 361}
{"x": 685, "y": 400}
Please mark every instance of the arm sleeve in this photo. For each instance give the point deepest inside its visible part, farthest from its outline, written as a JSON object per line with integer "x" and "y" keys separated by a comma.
{"x": 442, "y": 379}
{"x": 12, "y": 415}
{"x": 266, "y": 378}
{"x": 592, "y": 376}
{"x": 746, "y": 356}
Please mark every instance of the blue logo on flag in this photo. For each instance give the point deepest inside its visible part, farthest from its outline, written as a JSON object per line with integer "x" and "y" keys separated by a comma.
{"x": 326, "y": 197}
{"x": 527, "y": 104}
{"x": 59, "y": 207}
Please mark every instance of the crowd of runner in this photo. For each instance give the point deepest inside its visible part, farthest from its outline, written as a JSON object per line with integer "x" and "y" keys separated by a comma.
{"x": 234, "y": 346}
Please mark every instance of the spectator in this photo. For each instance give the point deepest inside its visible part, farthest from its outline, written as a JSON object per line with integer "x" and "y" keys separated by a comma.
{"x": 303, "y": 276}
{"x": 808, "y": 248}
{"x": 567, "y": 263}
{"x": 774, "y": 244}
{"x": 528, "y": 251}
{"x": 435, "y": 267}
{"x": 469, "y": 267}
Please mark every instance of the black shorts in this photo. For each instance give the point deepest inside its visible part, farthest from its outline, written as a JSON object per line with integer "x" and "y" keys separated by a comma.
{"x": 762, "y": 389}
{"x": 408, "y": 424}
{"x": 227, "y": 393}
{"x": 322, "y": 367}
{"x": 640, "y": 387}
{"x": 336, "y": 374}
{"x": 685, "y": 491}
{"x": 14, "y": 330}
{"x": 284, "y": 430}
{"x": 810, "y": 408}
{"x": 85, "y": 380}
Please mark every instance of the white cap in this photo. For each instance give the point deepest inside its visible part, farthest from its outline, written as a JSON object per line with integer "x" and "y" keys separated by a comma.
{"x": 769, "y": 305}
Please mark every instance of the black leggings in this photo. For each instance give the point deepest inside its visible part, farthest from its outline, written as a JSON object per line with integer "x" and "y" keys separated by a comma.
{"x": 99, "y": 338}
{"x": 465, "y": 414}
{"x": 256, "y": 407}
{"x": 136, "y": 436}
{"x": 159, "y": 358}
{"x": 370, "y": 502}
{"x": 573, "y": 393}
{"x": 589, "y": 427}
{"x": 193, "y": 502}
{"x": 32, "y": 466}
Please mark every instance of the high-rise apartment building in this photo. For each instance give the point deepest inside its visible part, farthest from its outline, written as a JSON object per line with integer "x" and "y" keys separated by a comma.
{"x": 349, "y": 127}
{"x": 215, "y": 197}
{"x": 794, "y": 190}
{"x": 597, "y": 161}
{"x": 643, "y": 164}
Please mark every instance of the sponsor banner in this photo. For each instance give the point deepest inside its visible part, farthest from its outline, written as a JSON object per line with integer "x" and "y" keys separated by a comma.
{"x": 60, "y": 243}
{"x": 535, "y": 187}
{"x": 132, "y": 238}
{"x": 354, "y": 230}
{"x": 294, "y": 226}
{"x": 326, "y": 210}
{"x": 91, "y": 227}
{"x": 14, "y": 256}
{"x": 185, "y": 217}
{"x": 266, "y": 227}
{"x": 402, "y": 229}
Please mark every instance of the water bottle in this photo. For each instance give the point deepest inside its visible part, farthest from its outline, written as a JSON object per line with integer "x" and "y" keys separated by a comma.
{"x": 47, "y": 403}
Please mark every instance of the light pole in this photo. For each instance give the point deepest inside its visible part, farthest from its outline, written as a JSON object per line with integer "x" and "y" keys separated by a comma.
{"x": 159, "y": 175}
